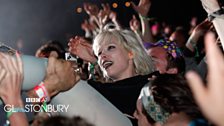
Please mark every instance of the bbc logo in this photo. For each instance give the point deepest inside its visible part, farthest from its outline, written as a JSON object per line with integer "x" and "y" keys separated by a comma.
{"x": 32, "y": 99}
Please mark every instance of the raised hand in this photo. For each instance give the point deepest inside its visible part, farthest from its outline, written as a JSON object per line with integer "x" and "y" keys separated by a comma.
{"x": 94, "y": 27}
{"x": 104, "y": 14}
{"x": 134, "y": 24}
{"x": 202, "y": 28}
{"x": 143, "y": 7}
{"x": 113, "y": 16}
{"x": 210, "y": 97}
{"x": 91, "y": 9}
{"x": 85, "y": 26}
{"x": 198, "y": 32}
{"x": 60, "y": 75}
{"x": 82, "y": 48}
{"x": 12, "y": 78}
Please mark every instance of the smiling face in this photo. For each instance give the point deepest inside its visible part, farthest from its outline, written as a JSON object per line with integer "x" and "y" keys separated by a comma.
{"x": 159, "y": 57}
{"x": 114, "y": 60}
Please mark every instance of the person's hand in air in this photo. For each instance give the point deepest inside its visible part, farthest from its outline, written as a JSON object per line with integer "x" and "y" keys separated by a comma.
{"x": 210, "y": 98}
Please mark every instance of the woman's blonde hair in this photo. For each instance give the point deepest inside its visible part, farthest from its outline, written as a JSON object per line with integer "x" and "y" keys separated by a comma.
{"x": 132, "y": 43}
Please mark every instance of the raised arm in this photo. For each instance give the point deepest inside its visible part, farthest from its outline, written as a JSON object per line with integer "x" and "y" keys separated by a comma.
{"x": 82, "y": 48}
{"x": 198, "y": 32}
{"x": 211, "y": 7}
{"x": 60, "y": 76}
{"x": 87, "y": 28}
{"x": 103, "y": 15}
{"x": 92, "y": 10}
{"x": 142, "y": 9}
{"x": 210, "y": 97}
{"x": 113, "y": 17}
{"x": 11, "y": 77}
{"x": 135, "y": 25}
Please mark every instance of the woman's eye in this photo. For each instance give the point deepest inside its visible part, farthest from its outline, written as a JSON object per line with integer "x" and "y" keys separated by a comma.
{"x": 110, "y": 47}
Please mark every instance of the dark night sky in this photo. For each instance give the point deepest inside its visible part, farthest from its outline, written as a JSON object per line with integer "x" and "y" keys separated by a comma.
{"x": 37, "y": 21}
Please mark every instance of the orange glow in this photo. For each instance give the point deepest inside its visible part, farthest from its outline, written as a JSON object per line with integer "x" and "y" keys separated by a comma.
{"x": 127, "y": 4}
{"x": 114, "y": 5}
{"x": 79, "y": 10}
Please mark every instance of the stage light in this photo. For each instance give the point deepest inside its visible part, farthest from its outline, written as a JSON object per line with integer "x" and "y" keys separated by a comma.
{"x": 79, "y": 10}
{"x": 127, "y": 4}
{"x": 114, "y": 5}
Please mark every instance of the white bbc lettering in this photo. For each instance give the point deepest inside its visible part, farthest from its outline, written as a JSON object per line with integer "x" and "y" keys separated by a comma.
{"x": 37, "y": 100}
{"x": 32, "y": 100}
{"x": 27, "y": 99}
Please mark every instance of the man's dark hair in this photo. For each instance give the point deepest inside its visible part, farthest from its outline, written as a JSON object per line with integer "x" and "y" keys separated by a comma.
{"x": 172, "y": 93}
{"x": 177, "y": 62}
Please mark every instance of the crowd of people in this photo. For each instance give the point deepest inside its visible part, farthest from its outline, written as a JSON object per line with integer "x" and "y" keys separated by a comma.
{"x": 153, "y": 73}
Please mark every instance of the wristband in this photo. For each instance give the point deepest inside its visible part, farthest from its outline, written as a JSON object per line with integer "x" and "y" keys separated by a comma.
{"x": 216, "y": 14}
{"x": 92, "y": 68}
{"x": 9, "y": 113}
{"x": 145, "y": 18}
{"x": 14, "y": 110}
{"x": 42, "y": 93}
{"x": 193, "y": 44}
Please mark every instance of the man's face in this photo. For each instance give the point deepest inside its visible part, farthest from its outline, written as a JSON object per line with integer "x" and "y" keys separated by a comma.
{"x": 142, "y": 119}
{"x": 159, "y": 57}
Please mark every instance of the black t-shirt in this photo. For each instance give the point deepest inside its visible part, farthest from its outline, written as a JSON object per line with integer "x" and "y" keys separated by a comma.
{"x": 122, "y": 94}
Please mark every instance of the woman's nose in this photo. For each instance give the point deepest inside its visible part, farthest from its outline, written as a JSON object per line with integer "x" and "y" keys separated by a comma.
{"x": 104, "y": 55}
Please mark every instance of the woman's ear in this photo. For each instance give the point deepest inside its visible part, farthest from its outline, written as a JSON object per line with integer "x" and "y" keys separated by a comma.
{"x": 130, "y": 55}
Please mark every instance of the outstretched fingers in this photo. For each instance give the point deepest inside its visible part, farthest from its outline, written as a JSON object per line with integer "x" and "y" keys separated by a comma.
{"x": 214, "y": 58}
{"x": 197, "y": 87}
